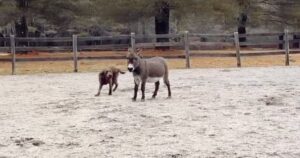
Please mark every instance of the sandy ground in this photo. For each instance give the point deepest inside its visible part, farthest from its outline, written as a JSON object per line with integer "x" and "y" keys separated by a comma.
{"x": 230, "y": 112}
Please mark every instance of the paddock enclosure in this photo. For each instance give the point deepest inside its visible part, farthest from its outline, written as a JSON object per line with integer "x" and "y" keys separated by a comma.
{"x": 184, "y": 49}
{"x": 225, "y": 112}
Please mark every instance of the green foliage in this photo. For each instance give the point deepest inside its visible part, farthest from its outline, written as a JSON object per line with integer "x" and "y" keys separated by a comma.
{"x": 132, "y": 10}
{"x": 281, "y": 13}
{"x": 8, "y": 12}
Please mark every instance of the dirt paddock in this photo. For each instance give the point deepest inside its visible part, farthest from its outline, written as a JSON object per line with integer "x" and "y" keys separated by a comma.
{"x": 222, "y": 112}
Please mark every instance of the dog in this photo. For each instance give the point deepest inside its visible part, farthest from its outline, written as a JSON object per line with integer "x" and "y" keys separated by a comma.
{"x": 109, "y": 76}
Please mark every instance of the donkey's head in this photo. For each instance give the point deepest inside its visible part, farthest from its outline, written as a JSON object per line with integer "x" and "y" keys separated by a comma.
{"x": 133, "y": 59}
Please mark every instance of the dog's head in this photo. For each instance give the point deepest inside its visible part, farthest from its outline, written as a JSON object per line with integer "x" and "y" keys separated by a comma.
{"x": 133, "y": 59}
{"x": 106, "y": 74}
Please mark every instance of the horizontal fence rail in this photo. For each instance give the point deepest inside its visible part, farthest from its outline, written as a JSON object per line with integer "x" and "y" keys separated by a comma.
{"x": 280, "y": 43}
{"x": 169, "y": 36}
{"x": 31, "y": 39}
{"x": 211, "y": 35}
{"x": 103, "y": 38}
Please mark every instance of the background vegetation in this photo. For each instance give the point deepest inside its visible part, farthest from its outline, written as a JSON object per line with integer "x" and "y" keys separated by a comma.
{"x": 102, "y": 17}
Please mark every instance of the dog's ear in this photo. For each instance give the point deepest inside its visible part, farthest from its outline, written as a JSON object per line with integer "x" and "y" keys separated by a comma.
{"x": 103, "y": 73}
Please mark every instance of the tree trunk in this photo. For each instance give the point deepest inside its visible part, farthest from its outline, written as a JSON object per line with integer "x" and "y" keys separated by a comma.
{"x": 280, "y": 46}
{"x": 296, "y": 44}
{"x": 21, "y": 24}
{"x": 2, "y": 42}
{"x": 21, "y": 27}
{"x": 242, "y": 26}
{"x": 162, "y": 21}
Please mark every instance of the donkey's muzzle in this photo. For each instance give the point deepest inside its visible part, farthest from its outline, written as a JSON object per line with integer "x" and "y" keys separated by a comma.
{"x": 130, "y": 69}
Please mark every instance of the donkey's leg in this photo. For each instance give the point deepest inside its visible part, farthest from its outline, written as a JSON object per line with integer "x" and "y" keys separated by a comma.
{"x": 136, "y": 88}
{"x": 167, "y": 82}
{"x": 137, "y": 82}
{"x": 156, "y": 89}
{"x": 143, "y": 90}
{"x": 100, "y": 87}
{"x": 116, "y": 81}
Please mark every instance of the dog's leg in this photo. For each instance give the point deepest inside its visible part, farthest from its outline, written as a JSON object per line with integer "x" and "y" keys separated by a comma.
{"x": 156, "y": 89}
{"x": 100, "y": 87}
{"x": 143, "y": 90}
{"x": 110, "y": 87}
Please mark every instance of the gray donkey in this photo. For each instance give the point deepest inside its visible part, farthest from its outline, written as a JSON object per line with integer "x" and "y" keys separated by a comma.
{"x": 147, "y": 70}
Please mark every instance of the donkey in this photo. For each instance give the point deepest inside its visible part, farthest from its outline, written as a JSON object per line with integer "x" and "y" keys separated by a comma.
{"x": 109, "y": 76}
{"x": 147, "y": 70}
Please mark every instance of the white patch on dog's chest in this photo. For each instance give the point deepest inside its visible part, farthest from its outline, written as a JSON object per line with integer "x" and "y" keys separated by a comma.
{"x": 153, "y": 79}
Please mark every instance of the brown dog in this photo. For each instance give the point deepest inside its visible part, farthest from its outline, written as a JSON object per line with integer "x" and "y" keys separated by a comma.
{"x": 109, "y": 76}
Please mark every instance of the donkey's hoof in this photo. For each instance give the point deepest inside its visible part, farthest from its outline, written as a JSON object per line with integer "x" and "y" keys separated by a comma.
{"x": 97, "y": 95}
{"x": 133, "y": 99}
{"x": 109, "y": 94}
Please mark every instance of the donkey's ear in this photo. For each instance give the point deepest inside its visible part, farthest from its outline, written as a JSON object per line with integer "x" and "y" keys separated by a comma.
{"x": 130, "y": 50}
{"x": 139, "y": 52}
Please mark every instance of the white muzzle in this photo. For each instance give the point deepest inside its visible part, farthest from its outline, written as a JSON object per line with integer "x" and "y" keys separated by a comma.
{"x": 130, "y": 67}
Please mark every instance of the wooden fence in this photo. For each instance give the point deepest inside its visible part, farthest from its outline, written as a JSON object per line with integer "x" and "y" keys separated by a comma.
{"x": 183, "y": 41}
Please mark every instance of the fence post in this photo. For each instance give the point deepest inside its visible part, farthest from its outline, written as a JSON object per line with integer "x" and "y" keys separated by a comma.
{"x": 132, "y": 36}
{"x": 187, "y": 49}
{"x": 287, "y": 47}
{"x": 237, "y": 47}
{"x": 13, "y": 54}
{"x": 75, "y": 52}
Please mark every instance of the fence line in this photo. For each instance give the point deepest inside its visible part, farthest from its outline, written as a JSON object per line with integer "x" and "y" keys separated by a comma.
{"x": 187, "y": 49}
{"x": 286, "y": 47}
{"x": 133, "y": 46}
{"x": 13, "y": 54}
{"x": 75, "y": 54}
{"x": 183, "y": 40}
{"x": 237, "y": 47}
